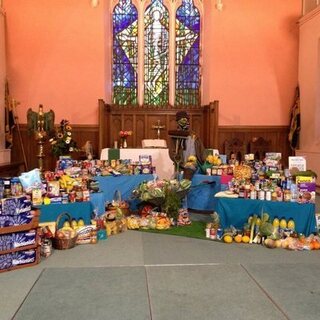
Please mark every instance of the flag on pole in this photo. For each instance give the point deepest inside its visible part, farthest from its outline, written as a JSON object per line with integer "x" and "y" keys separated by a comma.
{"x": 9, "y": 118}
{"x": 295, "y": 122}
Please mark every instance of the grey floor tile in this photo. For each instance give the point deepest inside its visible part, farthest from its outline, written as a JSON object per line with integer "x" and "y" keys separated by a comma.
{"x": 121, "y": 249}
{"x": 14, "y": 286}
{"x": 295, "y": 287}
{"x": 163, "y": 249}
{"x": 88, "y": 293}
{"x": 207, "y": 292}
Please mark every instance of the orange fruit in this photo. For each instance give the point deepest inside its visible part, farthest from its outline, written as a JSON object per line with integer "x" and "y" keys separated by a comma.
{"x": 245, "y": 239}
{"x": 238, "y": 238}
{"x": 316, "y": 245}
{"x": 227, "y": 239}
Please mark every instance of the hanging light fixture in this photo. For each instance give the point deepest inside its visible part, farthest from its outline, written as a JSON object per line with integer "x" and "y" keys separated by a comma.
{"x": 219, "y": 5}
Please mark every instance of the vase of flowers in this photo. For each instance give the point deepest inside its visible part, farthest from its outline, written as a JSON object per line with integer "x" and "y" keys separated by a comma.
{"x": 62, "y": 143}
{"x": 124, "y": 134}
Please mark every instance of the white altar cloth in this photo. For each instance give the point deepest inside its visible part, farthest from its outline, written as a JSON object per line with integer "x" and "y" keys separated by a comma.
{"x": 160, "y": 159}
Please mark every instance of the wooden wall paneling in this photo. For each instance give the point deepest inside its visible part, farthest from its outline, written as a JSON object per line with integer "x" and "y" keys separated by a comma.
{"x": 115, "y": 129}
{"x": 277, "y": 135}
{"x": 140, "y": 129}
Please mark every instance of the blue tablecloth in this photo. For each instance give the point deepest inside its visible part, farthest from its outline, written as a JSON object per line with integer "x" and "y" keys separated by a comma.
{"x": 125, "y": 184}
{"x": 98, "y": 202}
{"x": 203, "y": 189}
{"x": 236, "y": 212}
{"x": 76, "y": 210}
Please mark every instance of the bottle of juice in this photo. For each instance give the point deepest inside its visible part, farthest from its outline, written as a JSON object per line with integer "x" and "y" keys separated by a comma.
{"x": 291, "y": 224}
{"x": 283, "y": 223}
{"x": 276, "y": 222}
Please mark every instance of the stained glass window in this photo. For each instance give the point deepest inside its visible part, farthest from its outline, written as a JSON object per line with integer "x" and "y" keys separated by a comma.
{"x": 125, "y": 53}
{"x": 187, "y": 54}
{"x": 156, "y": 58}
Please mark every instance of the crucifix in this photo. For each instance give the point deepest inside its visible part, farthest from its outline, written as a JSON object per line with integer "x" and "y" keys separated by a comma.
{"x": 158, "y": 127}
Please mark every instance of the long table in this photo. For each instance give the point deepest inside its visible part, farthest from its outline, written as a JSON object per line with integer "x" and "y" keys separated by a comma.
{"x": 203, "y": 188}
{"x": 76, "y": 210}
{"x": 125, "y": 184}
{"x": 160, "y": 158}
{"x": 108, "y": 186}
{"x": 236, "y": 212}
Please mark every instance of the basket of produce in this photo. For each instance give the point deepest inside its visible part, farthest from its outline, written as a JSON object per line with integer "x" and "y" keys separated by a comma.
{"x": 65, "y": 237}
{"x": 163, "y": 194}
{"x": 242, "y": 172}
{"x": 118, "y": 203}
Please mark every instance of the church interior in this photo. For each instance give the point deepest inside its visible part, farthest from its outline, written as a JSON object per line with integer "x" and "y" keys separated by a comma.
{"x": 253, "y": 56}
{"x": 159, "y": 159}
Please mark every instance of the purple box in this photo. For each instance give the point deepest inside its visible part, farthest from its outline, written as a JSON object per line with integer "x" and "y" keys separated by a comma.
{"x": 24, "y": 238}
{"x": 307, "y": 187}
{"x": 23, "y": 257}
{"x": 11, "y": 221}
{"x": 6, "y": 242}
{"x": 15, "y": 206}
{"x": 5, "y": 261}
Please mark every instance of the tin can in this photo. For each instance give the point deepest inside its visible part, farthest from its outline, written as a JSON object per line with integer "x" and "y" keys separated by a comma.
{"x": 46, "y": 248}
{"x": 219, "y": 233}
{"x": 208, "y": 232}
{"x": 253, "y": 195}
{"x": 268, "y": 195}
{"x": 261, "y": 195}
{"x": 65, "y": 197}
{"x": 213, "y": 234}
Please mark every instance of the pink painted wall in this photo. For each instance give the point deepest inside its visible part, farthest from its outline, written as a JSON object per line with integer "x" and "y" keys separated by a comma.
{"x": 59, "y": 55}
{"x": 56, "y": 56}
{"x": 309, "y": 80}
{"x": 251, "y": 50}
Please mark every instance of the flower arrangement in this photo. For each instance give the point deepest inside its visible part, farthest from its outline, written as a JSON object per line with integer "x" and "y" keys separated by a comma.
{"x": 62, "y": 143}
{"x": 214, "y": 160}
{"x": 124, "y": 134}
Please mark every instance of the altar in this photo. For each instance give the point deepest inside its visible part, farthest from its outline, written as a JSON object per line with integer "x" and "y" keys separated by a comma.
{"x": 160, "y": 158}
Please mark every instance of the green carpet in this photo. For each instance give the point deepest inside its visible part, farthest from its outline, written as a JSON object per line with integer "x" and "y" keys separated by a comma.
{"x": 195, "y": 230}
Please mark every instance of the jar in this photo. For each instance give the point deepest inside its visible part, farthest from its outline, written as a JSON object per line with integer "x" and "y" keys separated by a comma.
{"x": 253, "y": 194}
{"x": 79, "y": 194}
{"x": 268, "y": 195}
{"x": 7, "y": 187}
{"x": 261, "y": 194}
{"x": 287, "y": 195}
{"x": 16, "y": 187}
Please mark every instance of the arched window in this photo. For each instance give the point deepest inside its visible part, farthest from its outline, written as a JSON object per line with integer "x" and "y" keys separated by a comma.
{"x": 156, "y": 47}
{"x": 160, "y": 63}
{"x": 187, "y": 54}
{"x": 125, "y": 53}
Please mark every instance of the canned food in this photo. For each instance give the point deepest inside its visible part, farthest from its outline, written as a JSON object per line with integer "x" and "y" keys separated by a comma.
{"x": 219, "y": 233}
{"x": 213, "y": 234}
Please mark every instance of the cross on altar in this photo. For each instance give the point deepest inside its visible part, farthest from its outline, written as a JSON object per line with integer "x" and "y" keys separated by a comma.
{"x": 158, "y": 127}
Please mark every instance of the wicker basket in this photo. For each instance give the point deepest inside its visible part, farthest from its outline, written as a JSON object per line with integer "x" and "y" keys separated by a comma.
{"x": 124, "y": 206}
{"x": 62, "y": 244}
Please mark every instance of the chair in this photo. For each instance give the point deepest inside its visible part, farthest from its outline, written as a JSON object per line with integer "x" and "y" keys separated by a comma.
{"x": 235, "y": 148}
{"x": 259, "y": 147}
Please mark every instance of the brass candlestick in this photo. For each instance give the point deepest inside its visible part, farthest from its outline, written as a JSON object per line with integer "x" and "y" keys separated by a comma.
{"x": 40, "y": 123}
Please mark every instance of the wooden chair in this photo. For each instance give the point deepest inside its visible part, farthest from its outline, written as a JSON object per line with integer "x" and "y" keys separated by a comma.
{"x": 235, "y": 147}
{"x": 259, "y": 147}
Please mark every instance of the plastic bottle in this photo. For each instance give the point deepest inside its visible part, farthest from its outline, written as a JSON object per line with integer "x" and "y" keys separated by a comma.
{"x": 294, "y": 192}
{"x": 291, "y": 224}
{"x": 283, "y": 223}
{"x": 276, "y": 222}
